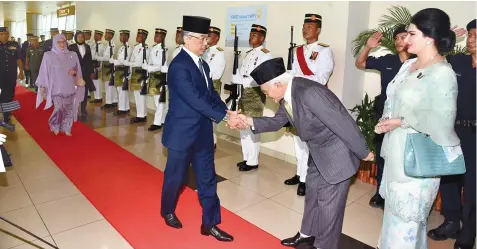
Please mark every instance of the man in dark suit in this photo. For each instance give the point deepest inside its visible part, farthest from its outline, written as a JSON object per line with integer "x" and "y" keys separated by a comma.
{"x": 188, "y": 134}
{"x": 48, "y": 44}
{"x": 335, "y": 142}
{"x": 86, "y": 60}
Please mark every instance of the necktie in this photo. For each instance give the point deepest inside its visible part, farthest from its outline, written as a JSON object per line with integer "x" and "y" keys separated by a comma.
{"x": 288, "y": 109}
{"x": 201, "y": 69}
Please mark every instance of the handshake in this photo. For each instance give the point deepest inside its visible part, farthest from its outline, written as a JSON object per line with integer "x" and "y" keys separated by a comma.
{"x": 237, "y": 121}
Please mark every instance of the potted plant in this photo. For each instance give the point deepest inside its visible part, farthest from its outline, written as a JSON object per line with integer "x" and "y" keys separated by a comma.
{"x": 366, "y": 120}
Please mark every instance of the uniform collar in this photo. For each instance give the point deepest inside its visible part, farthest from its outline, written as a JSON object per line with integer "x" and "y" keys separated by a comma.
{"x": 311, "y": 45}
{"x": 259, "y": 48}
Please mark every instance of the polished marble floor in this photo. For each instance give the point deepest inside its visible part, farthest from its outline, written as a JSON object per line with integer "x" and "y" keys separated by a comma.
{"x": 37, "y": 195}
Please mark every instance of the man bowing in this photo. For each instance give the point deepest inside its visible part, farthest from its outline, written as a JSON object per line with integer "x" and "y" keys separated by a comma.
{"x": 335, "y": 142}
{"x": 188, "y": 134}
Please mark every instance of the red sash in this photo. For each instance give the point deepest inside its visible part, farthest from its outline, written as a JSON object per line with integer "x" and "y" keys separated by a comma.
{"x": 300, "y": 55}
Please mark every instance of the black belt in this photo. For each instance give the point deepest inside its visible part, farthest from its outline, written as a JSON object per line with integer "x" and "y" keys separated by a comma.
{"x": 465, "y": 123}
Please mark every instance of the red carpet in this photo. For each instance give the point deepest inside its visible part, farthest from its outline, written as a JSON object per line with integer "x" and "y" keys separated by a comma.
{"x": 127, "y": 190}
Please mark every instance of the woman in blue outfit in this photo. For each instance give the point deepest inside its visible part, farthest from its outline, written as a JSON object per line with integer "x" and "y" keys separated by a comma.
{"x": 421, "y": 98}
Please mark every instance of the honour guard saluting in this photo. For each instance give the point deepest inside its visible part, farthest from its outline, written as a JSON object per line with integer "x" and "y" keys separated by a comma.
{"x": 48, "y": 44}
{"x": 252, "y": 101}
{"x": 97, "y": 50}
{"x": 121, "y": 73}
{"x": 215, "y": 57}
{"x": 313, "y": 61}
{"x": 157, "y": 69}
{"x": 10, "y": 64}
{"x": 179, "y": 43}
{"x": 33, "y": 60}
{"x": 139, "y": 75}
{"x": 108, "y": 70}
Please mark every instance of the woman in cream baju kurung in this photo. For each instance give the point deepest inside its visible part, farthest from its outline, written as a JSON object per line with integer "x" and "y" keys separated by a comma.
{"x": 425, "y": 100}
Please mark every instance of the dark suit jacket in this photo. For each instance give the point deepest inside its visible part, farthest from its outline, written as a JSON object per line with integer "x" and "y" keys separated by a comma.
{"x": 192, "y": 105}
{"x": 335, "y": 141}
{"x": 24, "y": 49}
{"x": 86, "y": 64}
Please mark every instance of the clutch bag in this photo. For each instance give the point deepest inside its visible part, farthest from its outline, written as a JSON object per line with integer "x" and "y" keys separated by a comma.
{"x": 424, "y": 158}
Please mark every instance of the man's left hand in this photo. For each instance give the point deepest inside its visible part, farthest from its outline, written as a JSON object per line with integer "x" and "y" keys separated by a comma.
{"x": 235, "y": 121}
{"x": 91, "y": 76}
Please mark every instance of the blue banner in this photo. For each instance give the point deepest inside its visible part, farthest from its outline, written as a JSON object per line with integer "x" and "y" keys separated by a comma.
{"x": 243, "y": 18}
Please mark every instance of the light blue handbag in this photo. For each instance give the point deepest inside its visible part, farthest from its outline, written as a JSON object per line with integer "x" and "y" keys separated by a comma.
{"x": 424, "y": 158}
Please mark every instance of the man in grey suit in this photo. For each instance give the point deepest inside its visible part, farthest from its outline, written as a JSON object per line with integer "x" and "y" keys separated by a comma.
{"x": 335, "y": 142}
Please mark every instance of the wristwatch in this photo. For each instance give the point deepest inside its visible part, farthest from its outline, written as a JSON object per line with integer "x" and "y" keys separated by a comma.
{"x": 226, "y": 118}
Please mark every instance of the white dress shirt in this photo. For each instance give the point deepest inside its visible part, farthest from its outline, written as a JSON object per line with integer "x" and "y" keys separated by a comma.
{"x": 196, "y": 58}
{"x": 82, "y": 50}
{"x": 155, "y": 60}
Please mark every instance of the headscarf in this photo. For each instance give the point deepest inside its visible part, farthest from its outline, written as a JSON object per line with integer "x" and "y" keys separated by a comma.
{"x": 55, "y": 48}
{"x": 76, "y": 37}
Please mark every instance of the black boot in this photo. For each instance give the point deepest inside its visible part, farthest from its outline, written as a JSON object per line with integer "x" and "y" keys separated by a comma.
{"x": 447, "y": 230}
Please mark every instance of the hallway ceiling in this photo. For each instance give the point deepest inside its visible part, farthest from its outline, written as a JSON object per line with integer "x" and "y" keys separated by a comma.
{"x": 15, "y": 10}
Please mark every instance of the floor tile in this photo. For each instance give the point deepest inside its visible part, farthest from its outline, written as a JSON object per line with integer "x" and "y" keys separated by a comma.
{"x": 262, "y": 181}
{"x": 10, "y": 178}
{"x": 274, "y": 218}
{"x": 37, "y": 244}
{"x": 291, "y": 200}
{"x": 67, "y": 213}
{"x": 12, "y": 198}
{"x": 357, "y": 216}
{"x": 235, "y": 198}
{"x": 51, "y": 188}
{"x": 358, "y": 189}
{"x": 29, "y": 219}
{"x": 96, "y": 235}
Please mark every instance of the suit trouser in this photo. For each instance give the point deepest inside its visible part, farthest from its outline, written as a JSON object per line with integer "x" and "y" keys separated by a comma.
{"x": 175, "y": 174}
{"x": 451, "y": 187}
{"x": 250, "y": 146}
{"x": 34, "y": 76}
{"x": 141, "y": 111}
{"x": 97, "y": 85}
{"x": 160, "y": 114}
{"x": 111, "y": 94}
{"x": 324, "y": 208}
{"x": 123, "y": 99}
{"x": 302, "y": 153}
{"x": 85, "y": 100}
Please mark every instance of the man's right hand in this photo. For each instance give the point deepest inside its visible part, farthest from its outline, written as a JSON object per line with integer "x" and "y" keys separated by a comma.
{"x": 370, "y": 157}
{"x": 374, "y": 41}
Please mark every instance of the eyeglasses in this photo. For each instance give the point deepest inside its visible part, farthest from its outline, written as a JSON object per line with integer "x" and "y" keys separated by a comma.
{"x": 201, "y": 39}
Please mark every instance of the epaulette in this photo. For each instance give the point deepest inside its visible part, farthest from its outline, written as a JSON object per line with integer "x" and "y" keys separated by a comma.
{"x": 265, "y": 50}
{"x": 220, "y": 49}
{"x": 323, "y": 45}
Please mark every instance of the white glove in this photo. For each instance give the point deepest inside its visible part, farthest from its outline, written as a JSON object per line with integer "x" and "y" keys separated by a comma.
{"x": 111, "y": 60}
{"x": 145, "y": 66}
{"x": 117, "y": 63}
{"x": 236, "y": 79}
{"x": 3, "y": 138}
{"x": 164, "y": 69}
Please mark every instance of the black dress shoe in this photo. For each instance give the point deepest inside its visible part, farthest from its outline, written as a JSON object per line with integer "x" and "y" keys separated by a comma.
{"x": 297, "y": 240}
{"x": 377, "y": 201}
{"x": 447, "y": 230}
{"x": 458, "y": 245}
{"x": 242, "y": 163}
{"x": 106, "y": 106}
{"x": 301, "y": 190}
{"x": 154, "y": 127}
{"x": 115, "y": 104}
{"x": 138, "y": 120}
{"x": 293, "y": 181}
{"x": 216, "y": 233}
{"x": 248, "y": 167}
{"x": 172, "y": 221}
{"x": 118, "y": 112}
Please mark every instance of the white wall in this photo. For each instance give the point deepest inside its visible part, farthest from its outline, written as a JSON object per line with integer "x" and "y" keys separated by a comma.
{"x": 460, "y": 14}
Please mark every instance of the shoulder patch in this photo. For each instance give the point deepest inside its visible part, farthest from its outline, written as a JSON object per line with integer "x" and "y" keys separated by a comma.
{"x": 220, "y": 49}
{"x": 265, "y": 50}
{"x": 323, "y": 45}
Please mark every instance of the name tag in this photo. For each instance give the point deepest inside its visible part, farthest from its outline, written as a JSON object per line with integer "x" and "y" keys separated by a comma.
{"x": 12, "y": 48}
{"x": 458, "y": 74}
{"x": 388, "y": 68}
